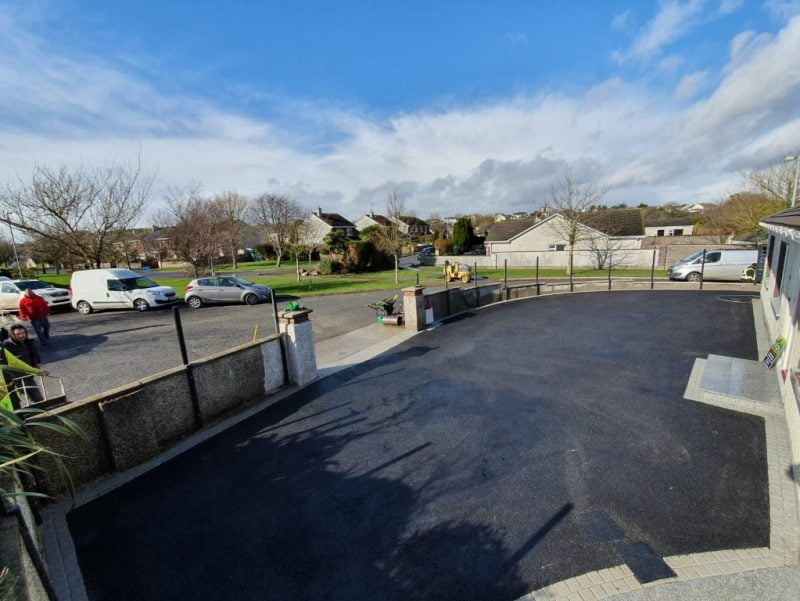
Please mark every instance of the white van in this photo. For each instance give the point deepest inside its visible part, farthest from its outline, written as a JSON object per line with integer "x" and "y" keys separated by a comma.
{"x": 98, "y": 289}
{"x": 720, "y": 264}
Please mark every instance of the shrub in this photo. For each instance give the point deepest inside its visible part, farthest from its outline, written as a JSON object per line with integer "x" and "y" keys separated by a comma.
{"x": 444, "y": 246}
{"x": 330, "y": 266}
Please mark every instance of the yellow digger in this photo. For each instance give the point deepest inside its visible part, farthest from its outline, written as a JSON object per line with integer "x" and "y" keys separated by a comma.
{"x": 456, "y": 271}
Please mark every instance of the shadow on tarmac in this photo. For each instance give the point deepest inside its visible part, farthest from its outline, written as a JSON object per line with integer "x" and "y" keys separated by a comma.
{"x": 266, "y": 513}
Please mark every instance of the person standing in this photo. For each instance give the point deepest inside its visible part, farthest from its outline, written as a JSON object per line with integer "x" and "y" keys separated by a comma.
{"x": 35, "y": 309}
{"x": 21, "y": 385}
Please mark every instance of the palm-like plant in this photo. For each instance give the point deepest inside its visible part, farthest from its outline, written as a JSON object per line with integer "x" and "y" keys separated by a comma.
{"x": 19, "y": 448}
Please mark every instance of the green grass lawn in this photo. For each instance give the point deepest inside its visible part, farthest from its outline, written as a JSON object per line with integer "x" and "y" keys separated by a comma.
{"x": 286, "y": 284}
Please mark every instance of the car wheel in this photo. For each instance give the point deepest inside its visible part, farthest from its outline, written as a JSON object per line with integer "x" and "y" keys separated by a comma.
{"x": 195, "y": 302}
{"x": 140, "y": 304}
{"x": 693, "y": 277}
{"x": 251, "y": 299}
{"x": 84, "y": 308}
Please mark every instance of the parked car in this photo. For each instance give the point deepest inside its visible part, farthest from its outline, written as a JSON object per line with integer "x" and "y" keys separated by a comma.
{"x": 11, "y": 291}
{"x": 225, "y": 289}
{"x": 97, "y": 289}
{"x": 720, "y": 264}
{"x": 427, "y": 251}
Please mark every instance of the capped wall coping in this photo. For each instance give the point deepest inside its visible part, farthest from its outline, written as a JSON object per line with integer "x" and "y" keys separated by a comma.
{"x": 126, "y": 389}
{"x": 292, "y": 317}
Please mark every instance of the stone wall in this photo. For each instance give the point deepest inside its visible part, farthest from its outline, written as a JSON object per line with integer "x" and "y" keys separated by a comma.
{"x": 129, "y": 425}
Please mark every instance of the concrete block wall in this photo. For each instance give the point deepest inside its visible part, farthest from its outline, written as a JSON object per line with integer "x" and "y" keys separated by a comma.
{"x": 228, "y": 379}
{"x": 129, "y": 425}
{"x": 551, "y": 259}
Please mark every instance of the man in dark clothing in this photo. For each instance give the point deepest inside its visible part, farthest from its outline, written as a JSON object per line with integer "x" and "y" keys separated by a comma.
{"x": 21, "y": 384}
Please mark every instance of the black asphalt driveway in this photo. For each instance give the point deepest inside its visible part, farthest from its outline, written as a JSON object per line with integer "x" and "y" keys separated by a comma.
{"x": 514, "y": 447}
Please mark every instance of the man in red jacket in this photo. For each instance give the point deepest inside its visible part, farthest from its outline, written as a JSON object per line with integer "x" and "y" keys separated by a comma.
{"x": 33, "y": 308}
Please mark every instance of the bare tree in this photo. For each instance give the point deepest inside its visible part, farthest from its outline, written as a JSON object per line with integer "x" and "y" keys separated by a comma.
{"x": 742, "y": 212}
{"x": 191, "y": 223}
{"x": 571, "y": 200}
{"x": 298, "y": 242}
{"x": 86, "y": 210}
{"x": 277, "y": 217}
{"x": 391, "y": 238}
{"x": 774, "y": 183}
{"x": 229, "y": 209}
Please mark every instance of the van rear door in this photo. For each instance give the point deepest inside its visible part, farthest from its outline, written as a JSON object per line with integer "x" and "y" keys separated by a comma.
{"x": 735, "y": 262}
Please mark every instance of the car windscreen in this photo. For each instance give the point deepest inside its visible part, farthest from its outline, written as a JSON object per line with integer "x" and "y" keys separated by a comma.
{"x": 33, "y": 285}
{"x": 134, "y": 283}
{"x": 691, "y": 258}
{"x": 242, "y": 281}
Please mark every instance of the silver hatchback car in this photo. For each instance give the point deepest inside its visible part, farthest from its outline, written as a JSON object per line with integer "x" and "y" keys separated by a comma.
{"x": 225, "y": 289}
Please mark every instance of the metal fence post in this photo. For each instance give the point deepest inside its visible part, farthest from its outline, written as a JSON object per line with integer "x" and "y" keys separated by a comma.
{"x": 447, "y": 289}
{"x": 653, "y": 270}
{"x": 538, "y": 289}
{"x": 505, "y": 276}
{"x": 198, "y": 421}
{"x": 284, "y": 359}
{"x": 477, "y": 292}
{"x": 702, "y": 269}
{"x": 609, "y": 274}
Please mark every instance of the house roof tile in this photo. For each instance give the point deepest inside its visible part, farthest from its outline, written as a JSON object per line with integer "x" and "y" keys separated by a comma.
{"x": 334, "y": 220}
{"x": 790, "y": 218}
{"x": 616, "y": 222}
{"x": 505, "y": 230}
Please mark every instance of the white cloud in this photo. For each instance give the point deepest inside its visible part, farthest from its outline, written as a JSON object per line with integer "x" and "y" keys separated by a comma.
{"x": 784, "y": 9}
{"x": 501, "y": 155}
{"x": 672, "y": 22}
{"x": 516, "y": 39}
{"x": 727, "y": 7}
{"x": 690, "y": 84}
{"x": 621, "y": 20}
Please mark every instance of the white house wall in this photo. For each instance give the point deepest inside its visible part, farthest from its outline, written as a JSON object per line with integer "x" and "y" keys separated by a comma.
{"x": 782, "y": 320}
{"x": 669, "y": 230}
{"x": 364, "y": 222}
{"x": 316, "y": 230}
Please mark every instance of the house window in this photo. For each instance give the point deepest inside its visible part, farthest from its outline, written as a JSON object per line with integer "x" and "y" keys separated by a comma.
{"x": 660, "y": 233}
{"x": 558, "y": 246}
{"x": 769, "y": 251}
{"x": 779, "y": 269}
{"x": 677, "y": 232}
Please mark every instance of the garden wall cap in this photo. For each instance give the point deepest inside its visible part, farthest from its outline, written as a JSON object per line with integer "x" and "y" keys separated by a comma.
{"x": 295, "y": 316}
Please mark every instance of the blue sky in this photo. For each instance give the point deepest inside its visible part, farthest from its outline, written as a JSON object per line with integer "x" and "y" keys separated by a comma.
{"x": 458, "y": 106}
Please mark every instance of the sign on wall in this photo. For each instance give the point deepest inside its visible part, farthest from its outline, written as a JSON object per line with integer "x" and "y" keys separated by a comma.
{"x": 775, "y": 352}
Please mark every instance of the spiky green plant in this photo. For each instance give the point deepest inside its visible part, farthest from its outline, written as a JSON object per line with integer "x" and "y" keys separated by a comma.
{"x": 19, "y": 448}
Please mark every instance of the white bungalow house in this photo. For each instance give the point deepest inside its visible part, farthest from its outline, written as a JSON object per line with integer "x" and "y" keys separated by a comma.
{"x": 614, "y": 235}
{"x": 371, "y": 220}
{"x": 318, "y": 225}
{"x": 412, "y": 226}
{"x": 780, "y": 301}
{"x": 676, "y": 226}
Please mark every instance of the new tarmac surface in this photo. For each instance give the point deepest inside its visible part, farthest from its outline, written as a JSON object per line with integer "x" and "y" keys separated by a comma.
{"x": 511, "y": 448}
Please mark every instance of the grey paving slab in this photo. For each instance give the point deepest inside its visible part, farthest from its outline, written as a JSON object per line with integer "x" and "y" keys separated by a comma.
{"x": 741, "y": 378}
{"x": 773, "y": 584}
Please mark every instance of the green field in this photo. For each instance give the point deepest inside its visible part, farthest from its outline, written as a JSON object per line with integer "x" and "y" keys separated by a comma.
{"x": 285, "y": 282}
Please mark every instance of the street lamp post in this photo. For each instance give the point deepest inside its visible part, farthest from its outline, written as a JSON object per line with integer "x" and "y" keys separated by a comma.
{"x": 796, "y": 159}
{"x": 14, "y": 245}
